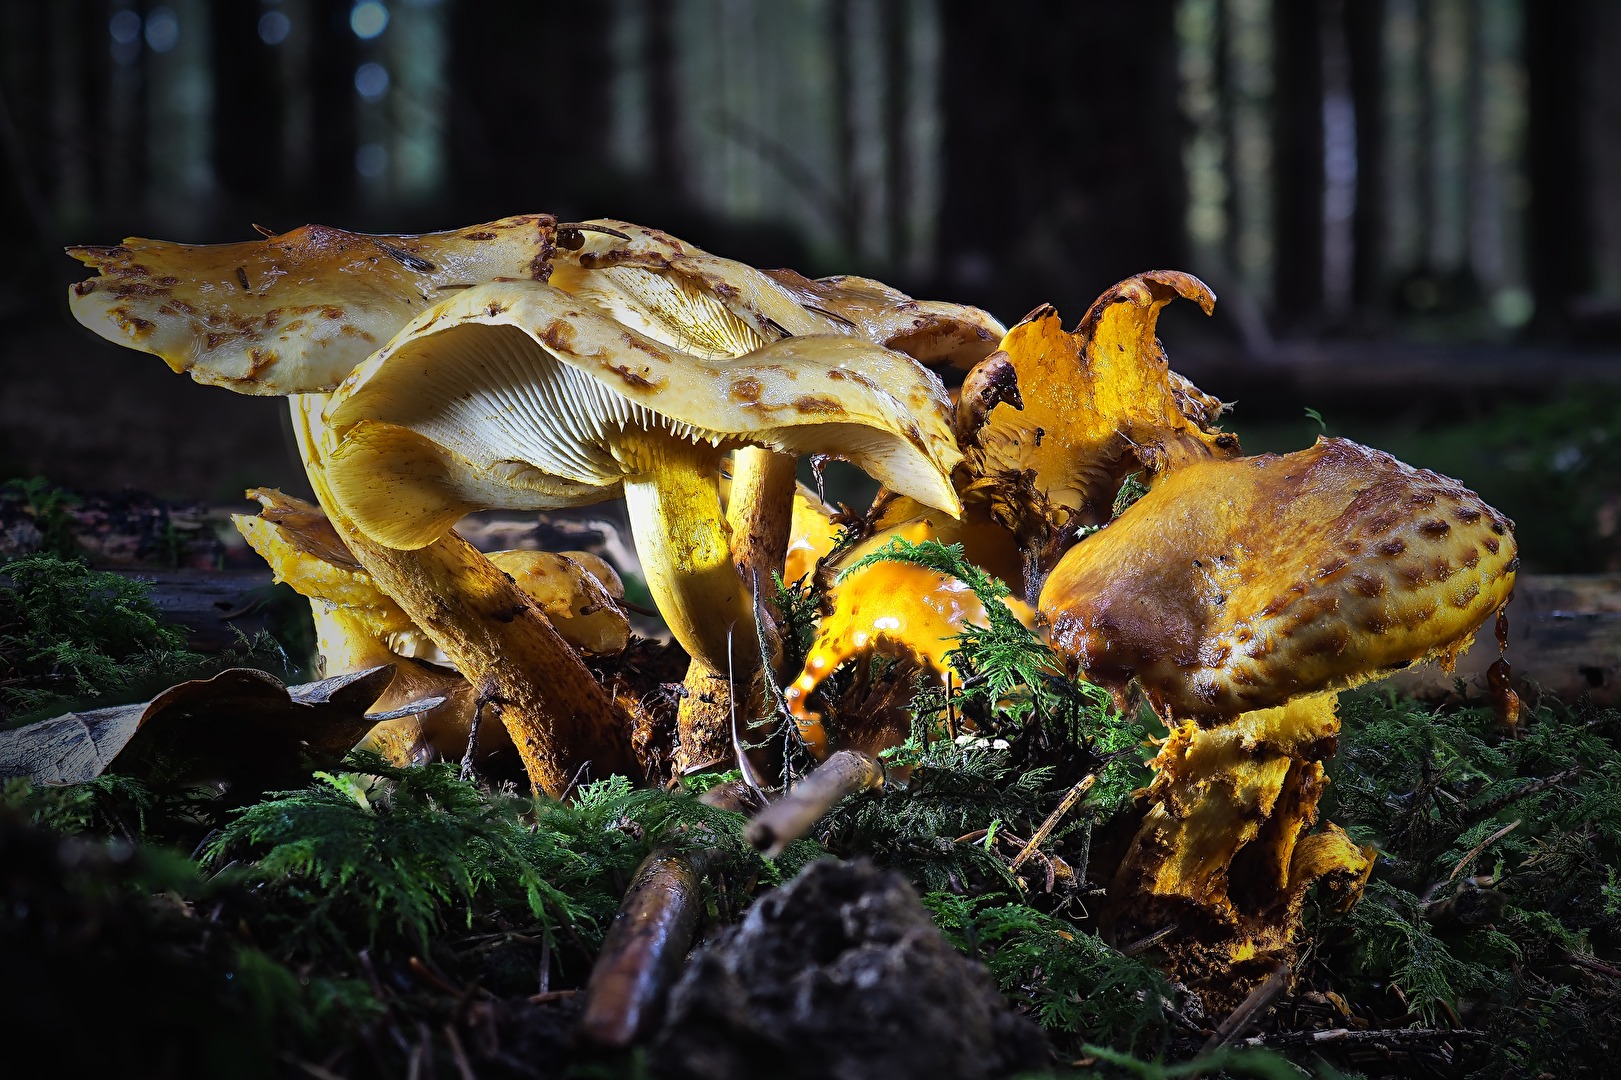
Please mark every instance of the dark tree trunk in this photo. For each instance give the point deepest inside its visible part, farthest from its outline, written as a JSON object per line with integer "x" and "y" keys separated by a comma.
{"x": 331, "y": 194}
{"x": 1364, "y": 41}
{"x": 1556, "y": 58}
{"x": 529, "y": 108}
{"x": 1063, "y": 156}
{"x": 247, "y": 115}
{"x": 1298, "y": 160}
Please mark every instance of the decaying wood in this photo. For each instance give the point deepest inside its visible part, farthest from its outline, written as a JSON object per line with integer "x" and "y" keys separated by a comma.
{"x": 642, "y": 953}
{"x": 796, "y": 813}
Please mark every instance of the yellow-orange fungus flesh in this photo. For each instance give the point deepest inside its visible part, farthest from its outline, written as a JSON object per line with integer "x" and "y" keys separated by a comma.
{"x": 888, "y": 609}
{"x": 1237, "y": 585}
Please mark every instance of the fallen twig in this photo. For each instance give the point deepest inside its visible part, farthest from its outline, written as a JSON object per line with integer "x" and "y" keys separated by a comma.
{"x": 1071, "y": 797}
{"x": 1482, "y": 846}
{"x": 796, "y": 813}
{"x": 645, "y": 945}
{"x": 1593, "y": 965}
{"x": 1260, "y": 999}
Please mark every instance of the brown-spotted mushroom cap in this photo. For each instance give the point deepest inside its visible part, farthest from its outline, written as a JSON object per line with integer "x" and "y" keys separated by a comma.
{"x": 292, "y": 313}
{"x": 518, "y": 395}
{"x": 1237, "y": 585}
{"x": 579, "y": 605}
{"x": 708, "y": 306}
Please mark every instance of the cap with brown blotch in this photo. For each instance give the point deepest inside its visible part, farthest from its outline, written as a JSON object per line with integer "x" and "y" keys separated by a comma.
{"x": 518, "y": 395}
{"x": 1237, "y": 585}
{"x": 708, "y": 306}
{"x": 291, "y": 313}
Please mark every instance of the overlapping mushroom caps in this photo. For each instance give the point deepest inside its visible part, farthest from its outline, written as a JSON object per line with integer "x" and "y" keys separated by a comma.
{"x": 177, "y": 301}
{"x": 1241, "y": 596}
{"x": 1050, "y": 425}
{"x": 520, "y": 395}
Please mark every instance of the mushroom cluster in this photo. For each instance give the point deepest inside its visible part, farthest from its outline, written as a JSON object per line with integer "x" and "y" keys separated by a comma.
{"x": 531, "y": 365}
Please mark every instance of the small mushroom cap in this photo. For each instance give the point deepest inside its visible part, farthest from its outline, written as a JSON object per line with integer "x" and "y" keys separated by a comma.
{"x": 292, "y": 313}
{"x": 1237, "y": 585}
{"x": 516, "y": 395}
{"x": 1098, "y": 403}
{"x": 571, "y": 596}
{"x": 599, "y": 568}
{"x": 811, "y": 535}
{"x": 707, "y": 306}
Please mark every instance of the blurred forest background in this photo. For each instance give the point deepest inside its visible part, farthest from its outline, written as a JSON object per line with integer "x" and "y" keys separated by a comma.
{"x": 1411, "y": 209}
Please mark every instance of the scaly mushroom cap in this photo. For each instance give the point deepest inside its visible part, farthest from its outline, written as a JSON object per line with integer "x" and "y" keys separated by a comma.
{"x": 707, "y": 306}
{"x": 518, "y": 395}
{"x": 1098, "y": 403}
{"x": 292, "y": 313}
{"x": 1237, "y": 585}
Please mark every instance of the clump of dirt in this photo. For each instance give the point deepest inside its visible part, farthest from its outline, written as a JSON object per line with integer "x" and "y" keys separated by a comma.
{"x": 842, "y": 973}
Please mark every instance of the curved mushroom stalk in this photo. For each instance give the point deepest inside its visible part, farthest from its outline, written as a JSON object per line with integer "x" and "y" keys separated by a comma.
{"x": 1241, "y": 596}
{"x": 759, "y": 511}
{"x": 491, "y": 631}
{"x": 1048, "y": 453}
{"x": 357, "y": 626}
{"x": 518, "y": 395}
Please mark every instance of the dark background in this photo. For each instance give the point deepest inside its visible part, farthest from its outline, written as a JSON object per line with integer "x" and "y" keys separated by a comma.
{"x": 1411, "y": 209}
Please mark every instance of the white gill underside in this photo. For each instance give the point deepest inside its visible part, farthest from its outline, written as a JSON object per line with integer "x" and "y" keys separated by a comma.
{"x": 492, "y": 395}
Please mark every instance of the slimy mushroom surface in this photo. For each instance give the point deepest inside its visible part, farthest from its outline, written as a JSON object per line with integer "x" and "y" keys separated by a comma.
{"x": 1237, "y": 585}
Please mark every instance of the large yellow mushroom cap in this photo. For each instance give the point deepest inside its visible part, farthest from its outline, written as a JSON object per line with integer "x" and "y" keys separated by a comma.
{"x": 518, "y": 395}
{"x": 705, "y": 305}
{"x": 1237, "y": 585}
{"x": 292, "y": 313}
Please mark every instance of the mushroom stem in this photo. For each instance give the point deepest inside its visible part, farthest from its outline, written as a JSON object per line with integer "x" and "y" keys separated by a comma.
{"x": 847, "y": 772}
{"x": 680, "y": 536}
{"x": 759, "y": 514}
{"x": 558, "y": 715}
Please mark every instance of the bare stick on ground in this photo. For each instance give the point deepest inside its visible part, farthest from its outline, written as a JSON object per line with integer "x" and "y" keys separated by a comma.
{"x": 796, "y": 813}
{"x": 645, "y": 946}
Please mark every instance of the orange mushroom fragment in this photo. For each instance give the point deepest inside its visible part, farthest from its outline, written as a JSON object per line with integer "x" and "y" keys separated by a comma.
{"x": 888, "y": 608}
{"x": 1053, "y": 422}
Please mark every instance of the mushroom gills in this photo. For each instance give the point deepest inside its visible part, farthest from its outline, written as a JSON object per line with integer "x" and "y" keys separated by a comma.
{"x": 693, "y": 321}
